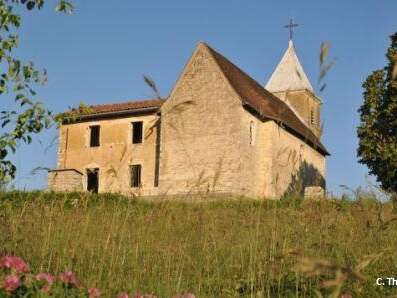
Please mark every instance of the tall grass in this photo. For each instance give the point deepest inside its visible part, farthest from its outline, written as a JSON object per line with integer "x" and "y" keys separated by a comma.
{"x": 225, "y": 248}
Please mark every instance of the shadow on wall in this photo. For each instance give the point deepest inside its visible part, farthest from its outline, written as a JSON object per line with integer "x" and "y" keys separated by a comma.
{"x": 307, "y": 175}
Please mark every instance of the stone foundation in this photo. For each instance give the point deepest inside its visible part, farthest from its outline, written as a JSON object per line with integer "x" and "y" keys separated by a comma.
{"x": 65, "y": 180}
{"x": 314, "y": 192}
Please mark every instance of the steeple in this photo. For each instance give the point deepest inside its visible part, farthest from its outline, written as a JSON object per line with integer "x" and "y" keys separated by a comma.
{"x": 289, "y": 82}
{"x": 289, "y": 74}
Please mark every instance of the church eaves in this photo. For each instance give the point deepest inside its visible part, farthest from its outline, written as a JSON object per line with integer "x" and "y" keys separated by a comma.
{"x": 289, "y": 74}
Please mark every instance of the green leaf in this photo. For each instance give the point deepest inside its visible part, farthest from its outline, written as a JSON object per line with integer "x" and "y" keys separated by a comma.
{"x": 65, "y": 7}
{"x": 324, "y": 50}
{"x": 5, "y": 122}
{"x": 30, "y": 5}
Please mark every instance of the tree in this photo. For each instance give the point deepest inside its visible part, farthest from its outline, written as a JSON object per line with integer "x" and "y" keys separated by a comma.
{"x": 377, "y": 132}
{"x": 26, "y": 116}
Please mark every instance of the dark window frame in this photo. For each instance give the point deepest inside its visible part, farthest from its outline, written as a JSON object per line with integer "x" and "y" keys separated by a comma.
{"x": 95, "y": 135}
{"x": 137, "y": 132}
{"x": 136, "y": 175}
{"x": 312, "y": 117}
{"x": 252, "y": 133}
{"x": 92, "y": 180}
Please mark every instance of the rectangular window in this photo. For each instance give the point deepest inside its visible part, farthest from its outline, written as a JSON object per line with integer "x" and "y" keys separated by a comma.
{"x": 137, "y": 132}
{"x": 135, "y": 171}
{"x": 94, "y": 135}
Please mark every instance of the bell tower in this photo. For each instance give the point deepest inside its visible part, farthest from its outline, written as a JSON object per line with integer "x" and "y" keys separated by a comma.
{"x": 289, "y": 82}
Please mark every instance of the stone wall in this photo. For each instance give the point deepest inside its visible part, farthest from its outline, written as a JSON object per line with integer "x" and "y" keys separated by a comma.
{"x": 201, "y": 132}
{"x": 255, "y": 156}
{"x": 277, "y": 162}
{"x": 65, "y": 180}
{"x": 114, "y": 155}
{"x": 305, "y": 103}
{"x": 295, "y": 165}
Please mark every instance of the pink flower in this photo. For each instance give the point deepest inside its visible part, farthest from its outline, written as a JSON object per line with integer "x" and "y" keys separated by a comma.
{"x": 94, "y": 293}
{"x": 68, "y": 278}
{"x": 136, "y": 295}
{"x": 186, "y": 295}
{"x": 11, "y": 283}
{"x": 15, "y": 263}
{"x": 45, "y": 277}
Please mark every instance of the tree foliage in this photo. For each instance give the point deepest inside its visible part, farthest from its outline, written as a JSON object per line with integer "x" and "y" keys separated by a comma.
{"x": 378, "y": 128}
{"x": 27, "y": 116}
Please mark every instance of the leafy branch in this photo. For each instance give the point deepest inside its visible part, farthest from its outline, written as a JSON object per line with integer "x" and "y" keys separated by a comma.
{"x": 27, "y": 116}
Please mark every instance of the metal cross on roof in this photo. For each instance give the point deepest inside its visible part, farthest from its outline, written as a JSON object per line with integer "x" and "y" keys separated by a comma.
{"x": 291, "y": 26}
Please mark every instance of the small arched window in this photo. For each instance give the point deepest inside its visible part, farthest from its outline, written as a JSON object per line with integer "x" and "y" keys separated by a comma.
{"x": 312, "y": 119}
{"x": 252, "y": 132}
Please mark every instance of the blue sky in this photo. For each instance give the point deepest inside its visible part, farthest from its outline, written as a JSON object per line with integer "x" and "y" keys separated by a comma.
{"x": 99, "y": 54}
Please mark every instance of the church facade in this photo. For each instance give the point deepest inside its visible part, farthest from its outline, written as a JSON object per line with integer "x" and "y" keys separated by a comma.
{"x": 219, "y": 132}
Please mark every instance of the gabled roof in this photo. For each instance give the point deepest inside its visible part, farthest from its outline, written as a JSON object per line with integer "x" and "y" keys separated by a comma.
{"x": 289, "y": 74}
{"x": 263, "y": 102}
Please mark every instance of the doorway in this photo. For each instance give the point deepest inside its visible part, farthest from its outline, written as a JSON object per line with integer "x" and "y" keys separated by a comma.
{"x": 92, "y": 180}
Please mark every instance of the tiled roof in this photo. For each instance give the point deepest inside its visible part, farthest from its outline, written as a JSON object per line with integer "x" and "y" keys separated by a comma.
{"x": 263, "y": 102}
{"x": 110, "y": 110}
{"x": 125, "y": 106}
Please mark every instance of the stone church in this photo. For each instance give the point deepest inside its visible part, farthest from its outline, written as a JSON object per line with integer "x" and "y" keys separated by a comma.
{"x": 219, "y": 132}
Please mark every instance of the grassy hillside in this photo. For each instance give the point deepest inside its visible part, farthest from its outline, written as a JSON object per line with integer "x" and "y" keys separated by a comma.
{"x": 238, "y": 248}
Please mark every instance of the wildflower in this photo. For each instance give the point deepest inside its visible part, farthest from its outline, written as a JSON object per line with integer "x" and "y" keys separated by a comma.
{"x": 123, "y": 295}
{"x": 138, "y": 295}
{"x": 45, "y": 277}
{"x": 94, "y": 293}
{"x": 15, "y": 263}
{"x": 186, "y": 295}
{"x": 68, "y": 278}
{"x": 11, "y": 283}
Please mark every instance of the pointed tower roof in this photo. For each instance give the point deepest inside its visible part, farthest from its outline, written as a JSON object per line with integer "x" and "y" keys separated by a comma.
{"x": 289, "y": 74}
